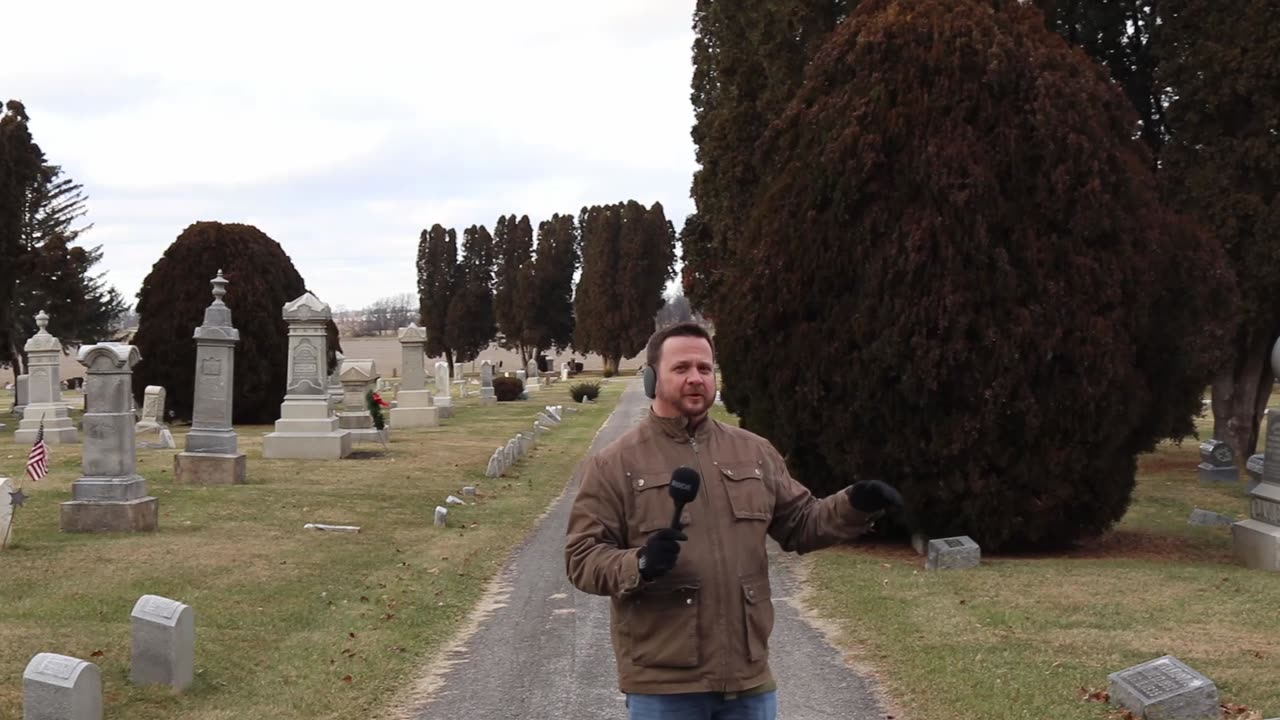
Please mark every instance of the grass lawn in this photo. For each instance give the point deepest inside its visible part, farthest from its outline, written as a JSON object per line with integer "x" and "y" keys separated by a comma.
{"x": 1018, "y": 637}
{"x": 290, "y": 623}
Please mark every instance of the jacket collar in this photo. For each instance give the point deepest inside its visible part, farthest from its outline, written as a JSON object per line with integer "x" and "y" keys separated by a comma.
{"x": 677, "y": 428}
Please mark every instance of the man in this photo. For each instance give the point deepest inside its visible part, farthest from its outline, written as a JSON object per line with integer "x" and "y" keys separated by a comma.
{"x": 691, "y": 607}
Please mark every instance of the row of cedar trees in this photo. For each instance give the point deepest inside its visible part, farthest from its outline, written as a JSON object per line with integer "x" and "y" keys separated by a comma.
{"x": 1013, "y": 241}
{"x": 502, "y": 287}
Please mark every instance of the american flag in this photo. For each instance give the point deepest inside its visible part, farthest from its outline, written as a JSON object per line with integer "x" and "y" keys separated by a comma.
{"x": 38, "y": 458}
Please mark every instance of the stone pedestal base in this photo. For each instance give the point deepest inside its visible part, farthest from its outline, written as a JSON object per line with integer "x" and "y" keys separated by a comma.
{"x": 354, "y": 420}
{"x": 57, "y": 430}
{"x": 307, "y": 446}
{"x": 402, "y": 417}
{"x": 368, "y": 435}
{"x": 1256, "y": 544}
{"x": 209, "y": 468}
{"x": 138, "y": 515}
{"x": 444, "y": 403}
{"x": 1211, "y": 475}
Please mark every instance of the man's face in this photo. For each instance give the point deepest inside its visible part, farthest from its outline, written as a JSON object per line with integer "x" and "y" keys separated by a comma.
{"x": 686, "y": 377}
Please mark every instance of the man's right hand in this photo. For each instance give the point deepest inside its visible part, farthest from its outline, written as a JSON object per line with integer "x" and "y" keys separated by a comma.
{"x": 660, "y": 552}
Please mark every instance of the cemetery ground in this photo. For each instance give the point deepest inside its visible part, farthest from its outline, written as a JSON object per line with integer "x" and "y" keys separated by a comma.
{"x": 290, "y": 623}
{"x": 1021, "y": 635}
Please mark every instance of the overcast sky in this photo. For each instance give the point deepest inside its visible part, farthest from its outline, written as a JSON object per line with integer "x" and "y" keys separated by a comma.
{"x": 342, "y": 133}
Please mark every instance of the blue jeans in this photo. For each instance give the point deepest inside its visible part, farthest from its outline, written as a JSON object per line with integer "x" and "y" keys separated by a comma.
{"x": 703, "y": 706}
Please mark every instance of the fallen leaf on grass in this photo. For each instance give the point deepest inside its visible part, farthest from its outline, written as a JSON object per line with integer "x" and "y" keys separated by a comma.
{"x": 389, "y": 616}
{"x": 346, "y": 679}
{"x": 1088, "y": 695}
{"x": 96, "y": 653}
{"x": 351, "y": 635}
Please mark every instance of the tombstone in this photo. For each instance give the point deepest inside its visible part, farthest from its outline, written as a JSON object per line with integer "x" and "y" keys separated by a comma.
{"x": 358, "y": 377}
{"x": 111, "y": 496}
{"x": 494, "y": 468}
{"x": 1217, "y": 463}
{"x": 441, "y": 516}
{"x": 512, "y": 452}
{"x": 1209, "y": 519}
{"x": 522, "y": 376}
{"x": 535, "y": 376}
{"x": 1164, "y": 688}
{"x": 43, "y": 402}
{"x": 58, "y": 687}
{"x": 6, "y": 513}
{"x": 336, "y": 393}
{"x": 1256, "y": 541}
{"x": 414, "y": 406}
{"x": 555, "y": 413}
{"x": 151, "y": 420}
{"x": 1254, "y": 469}
{"x": 486, "y": 383}
{"x": 953, "y": 553}
{"x": 212, "y": 454}
{"x": 307, "y": 427}
{"x": 920, "y": 543}
{"x": 163, "y": 643}
{"x": 20, "y": 394}
{"x": 564, "y": 371}
{"x": 443, "y": 400}
{"x": 469, "y": 491}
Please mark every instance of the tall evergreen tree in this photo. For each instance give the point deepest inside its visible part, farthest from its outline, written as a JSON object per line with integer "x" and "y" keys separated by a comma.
{"x": 550, "y": 287}
{"x": 437, "y": 281}
{"x": 470, "y": 326}
{"x": 748, "y": 59}
{"x": 1122, "y": 35}
{"x": 995, "y": 309}
{"x": 20, "y": 164}
{"x": 627, "y": 258}
{"x": 1222, "y": 165}
{"x": 43, "y": 267}
{"x": 513, "y": 278}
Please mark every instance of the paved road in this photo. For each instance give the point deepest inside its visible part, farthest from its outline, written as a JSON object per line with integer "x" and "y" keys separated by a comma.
{"x": 544, "y": 651}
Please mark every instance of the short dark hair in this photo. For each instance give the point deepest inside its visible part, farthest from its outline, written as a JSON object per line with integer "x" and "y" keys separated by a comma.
{"x": 653, "y": 351}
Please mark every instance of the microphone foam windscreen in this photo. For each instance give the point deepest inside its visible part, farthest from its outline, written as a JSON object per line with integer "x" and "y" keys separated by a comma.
{"x": 684, "y": 484}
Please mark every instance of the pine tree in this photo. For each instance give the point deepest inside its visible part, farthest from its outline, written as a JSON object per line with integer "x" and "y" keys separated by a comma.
{"x": 21, "y": 161}
{"x": 470, "y": 326}
{"x": 1222, "y": 165}
{"x": 987, "y": 306}
{"x": 437, "y": 279}
{"x": 513, "y": 277}
{"x": 550, "y": 287}
{"x": 627, "y": 258}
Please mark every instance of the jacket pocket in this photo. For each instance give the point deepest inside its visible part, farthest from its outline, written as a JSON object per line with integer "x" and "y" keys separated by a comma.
{"x": 653, "y": 504}
{"x": 758, "y": 613}
{"x": 749, "y": 495}
{"x": 663, "y": 625}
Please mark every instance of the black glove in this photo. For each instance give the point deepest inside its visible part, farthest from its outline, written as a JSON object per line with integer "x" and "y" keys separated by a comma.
{"x": 871, "y": 496}
{"x": 660, "y": 552}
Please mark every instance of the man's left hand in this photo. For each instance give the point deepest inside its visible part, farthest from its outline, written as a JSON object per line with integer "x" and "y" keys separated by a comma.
{"x": 872, "y": 496}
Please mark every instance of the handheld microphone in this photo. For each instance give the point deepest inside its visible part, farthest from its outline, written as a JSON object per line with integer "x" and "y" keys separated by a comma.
{"x": 684, "y": 488}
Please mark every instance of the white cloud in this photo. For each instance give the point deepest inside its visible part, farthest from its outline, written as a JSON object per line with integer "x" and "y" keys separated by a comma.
{"x": 343, "y": 133}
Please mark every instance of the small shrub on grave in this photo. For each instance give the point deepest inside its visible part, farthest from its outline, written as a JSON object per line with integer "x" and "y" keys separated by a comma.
{"x": 588, "y": 390}
{"x": 507, "y": 389}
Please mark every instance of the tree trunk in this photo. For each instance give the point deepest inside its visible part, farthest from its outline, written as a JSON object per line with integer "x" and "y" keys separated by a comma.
{"x": 610, "y": 365}
{"x": 1240, "y": 397}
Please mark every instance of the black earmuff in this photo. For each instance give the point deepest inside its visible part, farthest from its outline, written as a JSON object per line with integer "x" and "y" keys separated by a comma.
{"x": 650, "y": 382}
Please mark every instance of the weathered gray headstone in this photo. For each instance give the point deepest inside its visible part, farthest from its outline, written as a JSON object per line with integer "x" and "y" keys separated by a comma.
{"x": 414, "y": 406}
{"x": 469, "y": 491}
{"x": 441, "y": 516}
{"x": 153, "y": 401}
{"x": 443, "y": 399}
{"x": 920, "y": 543}
{"x": 58, "y": 687}
{"x": 953, "y": 553}
{"x": 44, "y": 405}
{"x": 358, "y": 376}
{"x": 163, "y": 643}
{"x": 533, "y": 374}
{"x": 1217, "y": 463}
{"x": 110, "y": 496}
{"x": 336, "y": 393}
{"x": 1210, "y": 519}
{"x": 1164, "y": 689}
{"x": 20, "y": 394}
{"x": 212, "y": 453}
{"x": 6, "y": 513}
{"x": 495, "y": 467}
{"x": 486, "y": 383}
{"x": 307, "y": 428}
{"x": 1254, "y": 469}
{"x": 1256, "y": 541}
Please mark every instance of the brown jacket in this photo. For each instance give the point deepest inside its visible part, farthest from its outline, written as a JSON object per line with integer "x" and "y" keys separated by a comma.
{"x": 704, "y": 626}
